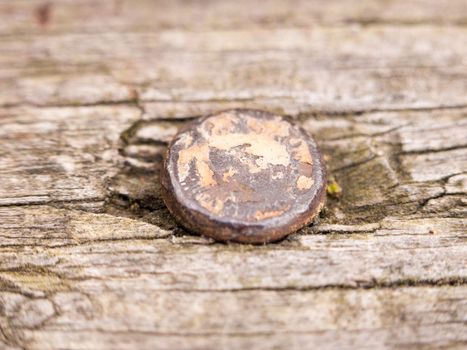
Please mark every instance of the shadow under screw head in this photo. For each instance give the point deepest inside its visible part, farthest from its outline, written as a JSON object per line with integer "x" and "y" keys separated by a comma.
{"x": 243, "y": 175}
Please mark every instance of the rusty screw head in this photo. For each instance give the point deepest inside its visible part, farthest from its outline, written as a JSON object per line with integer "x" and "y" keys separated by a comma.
{"x": 243, "y": 175}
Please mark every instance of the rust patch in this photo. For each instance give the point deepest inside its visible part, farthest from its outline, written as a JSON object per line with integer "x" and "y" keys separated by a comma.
{"x": 243, "y": 171}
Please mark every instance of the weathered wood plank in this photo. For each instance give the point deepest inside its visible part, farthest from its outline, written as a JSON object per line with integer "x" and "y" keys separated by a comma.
{"x": 61, "y": 154}
{"x": 47, "y": 252}
{"x": 91, "y": 259}
{"x": 87, "y": 165}
{"x": 23, "y": 17}
{"x": 296, "y": 70}
{"x": 409, "y": 318}
{"x": 98, "y": 252}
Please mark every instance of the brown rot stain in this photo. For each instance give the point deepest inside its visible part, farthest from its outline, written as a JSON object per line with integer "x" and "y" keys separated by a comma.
{"x": 243, "y": 175}
{"x": 43, "y": 14}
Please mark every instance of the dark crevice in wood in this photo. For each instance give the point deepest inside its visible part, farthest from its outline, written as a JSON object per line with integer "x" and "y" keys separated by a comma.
{"x": 139, "y": 103}
{"x": 429, "y": 151}
{"x": 376, "y": 134}
{"x": 452, "y": 281}
{"x": 240, "y": 334}
{"x": 131, "y": 102}
{"x": 353, "y": 165}
{"x": 55, "y": 202}
{"x": 317, "y": 25}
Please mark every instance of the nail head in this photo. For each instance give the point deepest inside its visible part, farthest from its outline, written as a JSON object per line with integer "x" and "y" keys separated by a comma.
{"x": 243, "y": 175}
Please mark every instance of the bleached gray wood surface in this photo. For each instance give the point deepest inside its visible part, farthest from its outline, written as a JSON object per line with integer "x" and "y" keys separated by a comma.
{"x": 90, "y": 93}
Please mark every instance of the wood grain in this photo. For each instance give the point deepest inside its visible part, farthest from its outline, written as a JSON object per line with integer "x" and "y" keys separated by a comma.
{"x": 90, "y": 94}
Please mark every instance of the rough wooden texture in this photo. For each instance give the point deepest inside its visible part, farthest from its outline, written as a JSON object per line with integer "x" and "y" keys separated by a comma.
{"x": 90, "y": 94}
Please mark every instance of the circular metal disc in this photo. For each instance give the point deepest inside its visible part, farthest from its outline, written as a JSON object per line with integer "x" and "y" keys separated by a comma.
{"x": 243, "y": 175}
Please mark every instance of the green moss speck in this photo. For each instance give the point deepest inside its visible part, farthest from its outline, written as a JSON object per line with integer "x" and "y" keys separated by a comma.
{"x": 334, "y": 189}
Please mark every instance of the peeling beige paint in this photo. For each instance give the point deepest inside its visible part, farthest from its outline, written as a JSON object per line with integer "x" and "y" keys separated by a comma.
{"x": 271, "y": 152}
{"x": 212, "y": 204}
{"x": 278, "y": 175}
{"x": 186, "y": 139}
{"x": 206, "y": 175}
{"x": 304, "y": 182}
{"x": 200, "y": 153}
{"x": 301, "y": 152}
{"x": 228, "y": 174}
{"x": 273, "y": 127}
{"x": 223, "y": 125}
{"x": 257, "y": 144}
{"x": 261, "y": 215}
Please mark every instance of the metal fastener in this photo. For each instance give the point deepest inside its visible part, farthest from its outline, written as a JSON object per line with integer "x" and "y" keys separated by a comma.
{"x": 243, "y": 175}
